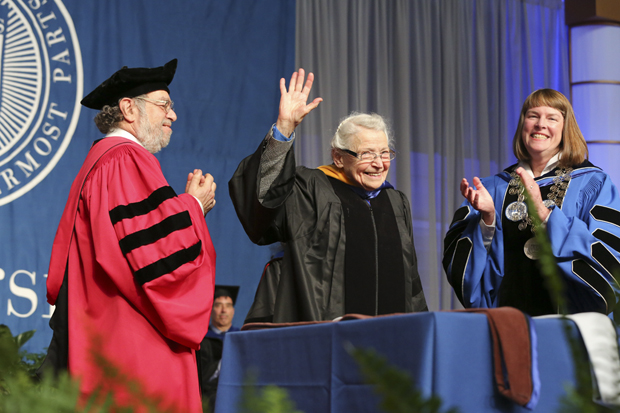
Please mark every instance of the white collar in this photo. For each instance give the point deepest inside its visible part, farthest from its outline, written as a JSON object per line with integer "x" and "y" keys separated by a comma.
{"x": 553, "y": 162}
{"x": 123, "y": 134}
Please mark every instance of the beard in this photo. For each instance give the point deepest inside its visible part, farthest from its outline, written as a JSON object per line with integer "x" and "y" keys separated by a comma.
{"x": 152, "y": 136}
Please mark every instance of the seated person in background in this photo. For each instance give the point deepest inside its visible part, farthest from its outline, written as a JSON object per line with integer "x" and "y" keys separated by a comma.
{"x": 347, "y": 233}
{"x": 490, "y": 253}
{"x": 223, "y": 311}
{"x": 210, "y": 354}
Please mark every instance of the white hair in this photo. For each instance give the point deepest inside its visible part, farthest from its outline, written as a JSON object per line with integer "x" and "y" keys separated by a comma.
{"x": 350, "y": 126}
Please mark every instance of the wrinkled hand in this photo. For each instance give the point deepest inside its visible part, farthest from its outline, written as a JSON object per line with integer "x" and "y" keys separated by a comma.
{"x": 293, "y": 107}
{"x": 202, "y": 187}
{"x": 480, "y": 199}
{"x": 533, "y": 192}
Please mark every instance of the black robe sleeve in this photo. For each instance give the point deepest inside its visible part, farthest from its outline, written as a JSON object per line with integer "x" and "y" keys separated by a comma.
{"x": 261, "y": 221}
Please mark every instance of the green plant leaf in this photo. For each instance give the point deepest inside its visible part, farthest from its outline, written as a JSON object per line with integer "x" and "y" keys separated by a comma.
{"x": 22, "y": 338}
{"x": 395, "y": 387}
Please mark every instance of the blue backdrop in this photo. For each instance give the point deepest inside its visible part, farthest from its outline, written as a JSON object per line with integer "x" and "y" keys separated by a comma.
{"x": 231, "y": 57}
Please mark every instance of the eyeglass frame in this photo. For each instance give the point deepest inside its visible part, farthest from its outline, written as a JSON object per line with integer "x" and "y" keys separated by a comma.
{"x": 376, "y": 155}
{"x": 159, "y": 103}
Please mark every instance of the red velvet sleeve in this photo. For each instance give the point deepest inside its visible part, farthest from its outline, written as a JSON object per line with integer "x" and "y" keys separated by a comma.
{"x": 153, "y": 244}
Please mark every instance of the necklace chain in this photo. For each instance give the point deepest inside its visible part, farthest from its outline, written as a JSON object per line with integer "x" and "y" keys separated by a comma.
{"x": 555, "y": 196}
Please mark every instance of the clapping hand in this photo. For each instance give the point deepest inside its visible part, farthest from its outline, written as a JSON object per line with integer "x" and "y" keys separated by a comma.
{"x": 480, "y": 199}
{"x": 533, "y": 191}
{"x": 202, "y": 187}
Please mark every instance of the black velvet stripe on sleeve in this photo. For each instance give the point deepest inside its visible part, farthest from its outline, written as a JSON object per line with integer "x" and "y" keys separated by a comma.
{"x": 608, "y": 238}
{"x": 459, "y": 264}
{"x": 168, "y": 264}
{"x": 449, "y": 242}
{"x": 455, "y": 231}
{"x": 142, "y": 207}
{"x": 155, "y": 232}
{"x": 460, "y": 214}
{"x": 604, "y": 257}
{"x": 606, "y": 214}
{"x": 596, "y": 281}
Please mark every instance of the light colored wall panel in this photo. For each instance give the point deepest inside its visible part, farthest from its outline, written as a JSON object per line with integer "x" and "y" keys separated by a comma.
{"x": 607, "y": 157}
{"x": 597, "y": 109}
{"x": 595, "y": 53}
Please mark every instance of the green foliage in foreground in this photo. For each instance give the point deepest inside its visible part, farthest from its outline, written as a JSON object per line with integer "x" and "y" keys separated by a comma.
{"x": 267, "y": 399}
{"x": 20, "y": 391}
{"x": 395, "y": 387}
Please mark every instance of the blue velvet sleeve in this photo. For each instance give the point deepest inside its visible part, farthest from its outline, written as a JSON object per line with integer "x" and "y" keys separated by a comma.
{"x": 585, "y": 238}
{"x": 475, "y": 273}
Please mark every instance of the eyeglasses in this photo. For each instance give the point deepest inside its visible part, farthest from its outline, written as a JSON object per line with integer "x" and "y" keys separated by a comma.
{"x": 371, "y": 156}
{"x": 166, "y": 105}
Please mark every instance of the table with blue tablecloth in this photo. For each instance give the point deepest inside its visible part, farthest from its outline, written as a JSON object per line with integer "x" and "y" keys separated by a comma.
{"x": 448, "y": 354}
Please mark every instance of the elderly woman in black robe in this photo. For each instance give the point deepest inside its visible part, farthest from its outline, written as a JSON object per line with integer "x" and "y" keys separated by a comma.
{"x": 346, "y": 232}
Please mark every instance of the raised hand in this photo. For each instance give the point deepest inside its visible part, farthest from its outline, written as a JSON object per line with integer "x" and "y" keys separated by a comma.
{"x": 202, "y": 187}
{"x": 480, "y": 199}
{"x": 293, "y": 107}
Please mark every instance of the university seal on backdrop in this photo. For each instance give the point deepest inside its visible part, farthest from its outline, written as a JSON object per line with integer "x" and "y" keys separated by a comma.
{"x": 41, "y": 84}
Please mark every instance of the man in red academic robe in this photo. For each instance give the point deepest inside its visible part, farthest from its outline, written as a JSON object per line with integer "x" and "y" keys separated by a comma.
{"x": 133, "y": 267}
